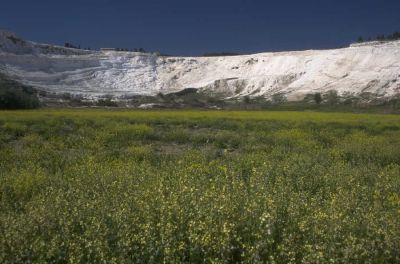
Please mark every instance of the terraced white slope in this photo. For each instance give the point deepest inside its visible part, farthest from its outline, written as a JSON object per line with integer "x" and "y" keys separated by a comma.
{"x": 373, "y": 68}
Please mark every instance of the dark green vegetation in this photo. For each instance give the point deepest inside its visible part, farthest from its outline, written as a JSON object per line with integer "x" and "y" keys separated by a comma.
{"x": 16, "y": 96}
{"x": 382, "y": 37}
{"x": 199, "y": 187}
{"x": 221, "y": 54}
{"x": 191, "y": 98}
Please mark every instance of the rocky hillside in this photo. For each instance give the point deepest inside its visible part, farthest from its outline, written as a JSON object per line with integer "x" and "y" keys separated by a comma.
{"x": 369, "y": 68}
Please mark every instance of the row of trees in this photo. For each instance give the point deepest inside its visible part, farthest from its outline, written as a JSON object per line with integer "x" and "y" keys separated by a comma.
{"x": 218, "y": 54}
{"x": 72, "y": 46}
{"x": 132, "y": 50}
{"x": 330, "y": 97}
{"x": 327, "y": 101}
{"x": 393, "y": 36}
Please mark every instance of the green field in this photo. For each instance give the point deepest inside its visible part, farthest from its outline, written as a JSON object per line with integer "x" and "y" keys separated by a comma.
{"x": 99, "y": 186}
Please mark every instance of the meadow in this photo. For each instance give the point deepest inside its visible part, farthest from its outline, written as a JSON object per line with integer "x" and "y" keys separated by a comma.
{"x": 101, "y": 186}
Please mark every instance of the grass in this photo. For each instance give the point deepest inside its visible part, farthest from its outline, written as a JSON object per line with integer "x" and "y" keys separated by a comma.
{"x": 80, "y": 186}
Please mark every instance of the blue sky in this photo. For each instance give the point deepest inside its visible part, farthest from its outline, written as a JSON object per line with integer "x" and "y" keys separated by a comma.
{"x": 195, "y": 27}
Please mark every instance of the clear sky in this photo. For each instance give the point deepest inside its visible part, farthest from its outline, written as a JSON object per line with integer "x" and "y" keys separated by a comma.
{"x": 186, "y": 27}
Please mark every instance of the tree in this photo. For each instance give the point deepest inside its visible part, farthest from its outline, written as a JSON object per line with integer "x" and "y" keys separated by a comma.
{"x": 317, "y": 98}
{"x": 15, "y": 96}
{"x": 308, "y": 98}
{"x": 106, "y": 102}
{"x": 348, "y": 98}
{"x": 246, "y": 99}
{"x": 380, "y": 37}
{"x": 332, "y": 97}
{"x": 395, "y": 36}
{"x": 71, "y": 46}
{"x": 279, "y": 98}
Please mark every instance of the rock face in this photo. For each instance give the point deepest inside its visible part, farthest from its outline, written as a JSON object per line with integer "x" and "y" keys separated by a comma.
{"x": 369, "y": 68}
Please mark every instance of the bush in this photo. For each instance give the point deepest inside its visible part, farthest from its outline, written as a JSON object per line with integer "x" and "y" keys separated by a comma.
{"x": 317, "y": 98}
{"x": 279, "y": 98}
{"x": 331, "y": 97}
{"x": 246, "y": 99}
{"x": 16, "y": 96}
{"x": 106, "y": 102}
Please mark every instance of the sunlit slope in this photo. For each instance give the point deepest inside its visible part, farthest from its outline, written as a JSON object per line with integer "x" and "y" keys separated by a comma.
{"x": 372, "y": 68}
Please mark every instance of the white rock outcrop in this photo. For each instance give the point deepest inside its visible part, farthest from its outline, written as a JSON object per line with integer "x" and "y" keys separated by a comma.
{"x": 372, "y": 68}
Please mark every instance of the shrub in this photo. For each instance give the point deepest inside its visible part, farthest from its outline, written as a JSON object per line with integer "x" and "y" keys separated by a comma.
{"x": 246, "y": 99}
{"x": 278, "y": 98}
{"x": 16, "y": 96}
{"x": 317, "y": 98}
{"x": 107, "y": 102}
{"x": 332, "y": 97}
